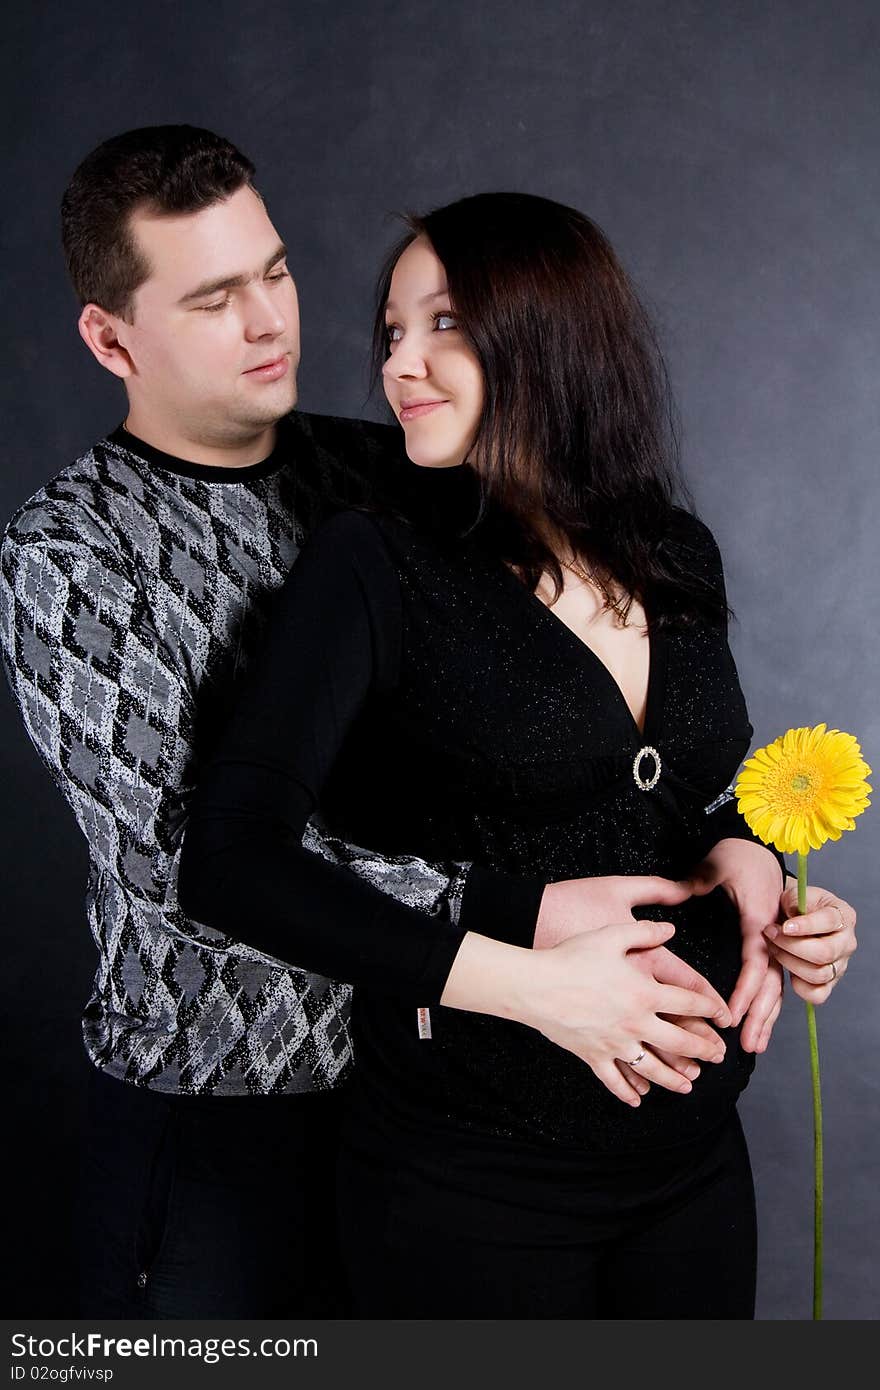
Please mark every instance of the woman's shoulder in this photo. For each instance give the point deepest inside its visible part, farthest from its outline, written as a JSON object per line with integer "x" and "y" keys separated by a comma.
{"x": 353, "y": 532}
{"x": 687, "y": 528}
{"x": 692, "y": 538}
{"x": 346, "y": 553}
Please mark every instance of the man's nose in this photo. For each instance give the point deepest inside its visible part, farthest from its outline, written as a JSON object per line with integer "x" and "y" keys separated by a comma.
{"x": 264, "y": 316}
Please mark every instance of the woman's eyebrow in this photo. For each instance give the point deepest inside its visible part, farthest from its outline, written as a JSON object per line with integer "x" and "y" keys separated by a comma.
{"x": 425, "y": 299}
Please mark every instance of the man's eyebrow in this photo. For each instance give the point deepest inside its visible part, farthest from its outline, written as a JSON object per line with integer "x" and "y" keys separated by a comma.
{"x": 425, "y": 299}
{"x": 232, "y": 282}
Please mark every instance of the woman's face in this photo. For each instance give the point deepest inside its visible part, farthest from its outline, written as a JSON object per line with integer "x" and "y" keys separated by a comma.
{"x": 432, "y": 378}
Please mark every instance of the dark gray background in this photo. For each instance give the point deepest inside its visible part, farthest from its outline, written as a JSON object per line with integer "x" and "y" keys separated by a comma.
{"x": 731, "y": 152}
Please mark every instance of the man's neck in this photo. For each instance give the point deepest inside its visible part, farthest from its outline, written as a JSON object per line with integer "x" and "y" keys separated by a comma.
{"x": 241, "y": 454}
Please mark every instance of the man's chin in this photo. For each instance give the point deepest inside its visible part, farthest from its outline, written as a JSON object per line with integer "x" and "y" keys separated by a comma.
{"x": 260, "y": 414}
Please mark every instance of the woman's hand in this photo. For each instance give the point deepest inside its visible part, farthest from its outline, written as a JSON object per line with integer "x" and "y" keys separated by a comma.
{"x": 662, "y": 964}
{"x": 608, "y": 996}
{"x": 576, "y": 905}
{"x": 749, "y": 875}
{"x": 757, "y": 1028}
{"x": 810, "y": 945}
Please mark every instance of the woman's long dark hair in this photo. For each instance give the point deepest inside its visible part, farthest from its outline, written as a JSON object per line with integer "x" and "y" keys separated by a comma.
{"x": 578, "y": 426}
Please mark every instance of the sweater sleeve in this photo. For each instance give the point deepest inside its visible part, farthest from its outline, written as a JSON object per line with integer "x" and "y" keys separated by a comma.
{"x": 333, "y": 645}
{"x": 723, "y": 820}
{"x": 726, "y": 823}
{"x": 102, "y": 699}
{"x": 502, "y": 906}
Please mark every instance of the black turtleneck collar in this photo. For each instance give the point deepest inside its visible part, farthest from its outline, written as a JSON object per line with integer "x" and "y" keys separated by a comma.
{"x": 210, "y": 473}
{"x": 446, "y": 501}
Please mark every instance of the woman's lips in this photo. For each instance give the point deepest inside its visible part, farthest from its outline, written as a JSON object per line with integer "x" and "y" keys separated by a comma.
{"x": 270, "y": 371}
{"x": 418, "y": 408}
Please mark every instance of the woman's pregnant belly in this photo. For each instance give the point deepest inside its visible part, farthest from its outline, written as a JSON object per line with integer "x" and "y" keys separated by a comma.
{"x": 487, "y": 1075}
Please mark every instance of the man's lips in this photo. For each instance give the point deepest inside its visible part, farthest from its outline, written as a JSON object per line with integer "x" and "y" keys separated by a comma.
{"x": 413, "y": 409}
{"x": 272, "y": 370}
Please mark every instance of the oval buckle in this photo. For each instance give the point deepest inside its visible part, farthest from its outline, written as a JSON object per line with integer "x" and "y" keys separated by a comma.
{"x": 645, "y": 784}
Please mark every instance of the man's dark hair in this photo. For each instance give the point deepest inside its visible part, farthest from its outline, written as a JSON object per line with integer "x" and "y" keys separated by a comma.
{"x": 578, "y": 425}
{"x": 163, "y": 169}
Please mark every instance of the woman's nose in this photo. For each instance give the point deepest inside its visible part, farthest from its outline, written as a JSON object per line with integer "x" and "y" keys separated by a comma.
{"x": 406, "y": 360}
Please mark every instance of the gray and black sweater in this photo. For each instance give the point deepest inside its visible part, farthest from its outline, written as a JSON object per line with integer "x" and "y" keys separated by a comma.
{"x": 134, "y": 589}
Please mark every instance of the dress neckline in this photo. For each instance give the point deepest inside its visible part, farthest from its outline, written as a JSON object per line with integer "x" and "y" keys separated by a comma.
{"x": 656, "y": 666}
{"x": 446, "y": 502}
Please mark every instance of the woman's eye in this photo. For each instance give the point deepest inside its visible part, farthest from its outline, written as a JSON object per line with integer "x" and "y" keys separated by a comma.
{"x": 393, "y": 332}
{"x": 444, "y": 321}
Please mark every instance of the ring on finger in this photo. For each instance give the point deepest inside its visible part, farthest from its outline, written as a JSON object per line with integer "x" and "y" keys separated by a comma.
{"x": 640, "y": 1058}
{"x": 833, "y": 972}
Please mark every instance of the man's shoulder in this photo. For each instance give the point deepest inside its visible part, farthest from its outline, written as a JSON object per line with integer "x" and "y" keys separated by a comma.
{"x": 74, "y": 490}
{"x": 341, "y": 463}
{"x": 341, "y": 445}
{"x": 334, "y": 432}
{"x": 79, "y": 505}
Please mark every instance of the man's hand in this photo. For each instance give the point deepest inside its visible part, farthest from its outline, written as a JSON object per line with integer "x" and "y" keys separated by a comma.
{"x": 576, "y": 905}
{"x": 749, "y": 875}
{"x": 808, "y": 946}
{"x": 764, "y": 1010}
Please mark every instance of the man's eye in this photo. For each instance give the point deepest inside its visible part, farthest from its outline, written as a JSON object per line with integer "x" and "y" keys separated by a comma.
{"x": 278, "y": 275}
{"x": 215, "y": 308}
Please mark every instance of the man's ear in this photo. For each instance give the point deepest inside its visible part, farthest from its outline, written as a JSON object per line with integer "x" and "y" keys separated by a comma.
{"x": 100, "y": 332}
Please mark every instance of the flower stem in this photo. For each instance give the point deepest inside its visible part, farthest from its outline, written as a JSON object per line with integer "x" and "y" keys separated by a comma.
{"x": 818, "y": 1164}
{"x": 802, "y": 884}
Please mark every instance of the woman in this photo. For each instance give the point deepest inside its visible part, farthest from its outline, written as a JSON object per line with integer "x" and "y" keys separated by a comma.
{"x": 526, "y": 667}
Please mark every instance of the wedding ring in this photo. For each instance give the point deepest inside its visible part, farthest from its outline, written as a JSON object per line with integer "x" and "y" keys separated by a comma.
{"x": 833, "y": 970}
{"x": 635, "y": 1061}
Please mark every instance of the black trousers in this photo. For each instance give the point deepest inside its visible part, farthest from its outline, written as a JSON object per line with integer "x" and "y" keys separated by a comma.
{"x": 208, "y": 1207}
{"x": 476, "y": 1228}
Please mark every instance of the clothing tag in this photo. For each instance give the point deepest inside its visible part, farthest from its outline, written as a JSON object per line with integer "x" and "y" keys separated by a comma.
{"x": 424, "y": 1017}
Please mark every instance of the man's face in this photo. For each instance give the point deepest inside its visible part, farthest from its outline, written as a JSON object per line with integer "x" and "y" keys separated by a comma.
{"x": 214, "y": 342}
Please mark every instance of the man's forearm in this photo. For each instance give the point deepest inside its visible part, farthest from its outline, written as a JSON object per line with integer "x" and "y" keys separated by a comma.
{"x": 501, "y": 906}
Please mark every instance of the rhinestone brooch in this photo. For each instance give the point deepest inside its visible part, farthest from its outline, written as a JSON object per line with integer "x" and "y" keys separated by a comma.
{"x": 646, "y": 783}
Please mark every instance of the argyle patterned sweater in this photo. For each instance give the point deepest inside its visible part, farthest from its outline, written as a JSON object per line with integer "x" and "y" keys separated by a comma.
{"x": 134, "y": 586}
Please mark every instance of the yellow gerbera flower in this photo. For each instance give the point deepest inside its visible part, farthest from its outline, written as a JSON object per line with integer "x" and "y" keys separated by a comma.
{"x": 805, "y": 788}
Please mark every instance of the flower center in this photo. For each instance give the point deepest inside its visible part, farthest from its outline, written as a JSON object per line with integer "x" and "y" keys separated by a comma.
{"x": 800, "y": 783}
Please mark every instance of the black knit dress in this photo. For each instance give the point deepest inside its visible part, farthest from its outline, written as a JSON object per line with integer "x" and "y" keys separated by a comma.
{"x": 428, "y": 703}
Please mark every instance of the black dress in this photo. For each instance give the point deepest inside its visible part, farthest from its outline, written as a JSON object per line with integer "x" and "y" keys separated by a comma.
{"x": 419, "y": 694}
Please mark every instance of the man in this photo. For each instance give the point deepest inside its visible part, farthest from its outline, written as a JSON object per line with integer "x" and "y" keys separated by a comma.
{"x": 135, "y": 585}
